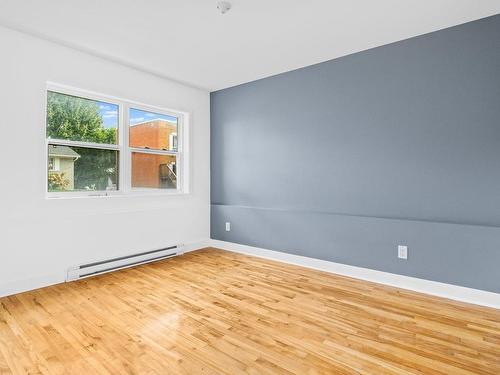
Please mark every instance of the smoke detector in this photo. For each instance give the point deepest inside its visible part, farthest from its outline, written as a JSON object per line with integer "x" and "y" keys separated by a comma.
{"x": 223, "y": 6}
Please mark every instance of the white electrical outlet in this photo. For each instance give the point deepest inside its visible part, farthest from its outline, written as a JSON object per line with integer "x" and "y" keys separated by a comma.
{"x": 402, "y": 252}
{"x": 228, "y": 226}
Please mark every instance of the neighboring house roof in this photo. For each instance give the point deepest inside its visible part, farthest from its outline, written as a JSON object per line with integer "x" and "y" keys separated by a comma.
{"x": 62, "y": 152}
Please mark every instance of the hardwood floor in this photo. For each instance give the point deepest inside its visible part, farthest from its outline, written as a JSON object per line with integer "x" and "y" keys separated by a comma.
{"x": 216, "y": 312}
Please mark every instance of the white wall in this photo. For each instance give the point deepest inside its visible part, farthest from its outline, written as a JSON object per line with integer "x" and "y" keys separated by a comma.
{"x": 39, "y": 237}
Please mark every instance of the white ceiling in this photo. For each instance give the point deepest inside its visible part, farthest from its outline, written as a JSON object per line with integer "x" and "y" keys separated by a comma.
{"x": 189, "y": 41}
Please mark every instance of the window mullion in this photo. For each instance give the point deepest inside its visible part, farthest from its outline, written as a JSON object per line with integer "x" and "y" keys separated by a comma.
{"x": 153, "y": 151}
{"x": 62, "y": 142}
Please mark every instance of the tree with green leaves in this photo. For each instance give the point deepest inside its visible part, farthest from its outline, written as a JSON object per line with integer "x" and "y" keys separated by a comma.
{"x": 79, "y": 119}
{"x": 76, "y": 119}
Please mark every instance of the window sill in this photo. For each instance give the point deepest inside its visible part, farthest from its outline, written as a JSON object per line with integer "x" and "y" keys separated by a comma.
{"x": 131, "y": 194}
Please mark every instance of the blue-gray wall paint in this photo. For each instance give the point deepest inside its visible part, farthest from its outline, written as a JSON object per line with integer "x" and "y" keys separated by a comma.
{"x": 344, "y": 160}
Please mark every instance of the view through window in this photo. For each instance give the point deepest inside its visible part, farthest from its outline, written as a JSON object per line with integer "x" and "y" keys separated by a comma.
{"x": 85, "y": 152}
{"x": 82, "y": 144}
{"x": 154, "y": 160}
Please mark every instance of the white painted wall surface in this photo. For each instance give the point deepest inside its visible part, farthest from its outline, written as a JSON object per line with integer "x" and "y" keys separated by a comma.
{"x": 39, "y": 237}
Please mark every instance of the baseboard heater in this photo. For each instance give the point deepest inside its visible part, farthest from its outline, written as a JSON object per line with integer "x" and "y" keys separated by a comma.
{"x": 108, "y": 265}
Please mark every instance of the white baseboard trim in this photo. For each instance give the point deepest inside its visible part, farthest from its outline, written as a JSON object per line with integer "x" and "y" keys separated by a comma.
{"x": 25, "y": 285}
{"x": 454, "y": 292}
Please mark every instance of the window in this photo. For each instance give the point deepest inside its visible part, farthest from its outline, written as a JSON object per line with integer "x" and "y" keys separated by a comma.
{"x": 154, "y": 157}
{"x": 53, "y": 164}
{"x": 173, "y": 141}
{"x": 105, "y": 146}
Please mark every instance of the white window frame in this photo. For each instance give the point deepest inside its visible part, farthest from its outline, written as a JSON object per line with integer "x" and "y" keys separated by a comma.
{"x": 123, "y": 148}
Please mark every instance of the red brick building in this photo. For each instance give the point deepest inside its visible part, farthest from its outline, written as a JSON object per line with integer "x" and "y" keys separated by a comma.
{"x": 149, "y": 170}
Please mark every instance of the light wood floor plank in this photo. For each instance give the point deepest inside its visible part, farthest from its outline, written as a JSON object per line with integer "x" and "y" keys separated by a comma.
{"x": 216, "y": 312}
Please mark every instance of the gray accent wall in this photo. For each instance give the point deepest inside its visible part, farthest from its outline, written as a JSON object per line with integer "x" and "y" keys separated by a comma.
{"x": 346, "y": 159}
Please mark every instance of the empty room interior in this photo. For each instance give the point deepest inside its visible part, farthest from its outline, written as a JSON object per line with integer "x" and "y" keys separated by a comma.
{"x": 250, "y": 187}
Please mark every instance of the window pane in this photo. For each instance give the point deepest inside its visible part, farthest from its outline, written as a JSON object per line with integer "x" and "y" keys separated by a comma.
{"x": 154, "y": 171}
{"x": 151, "y": 130}
{"x": 78, "y": 119}
{"x": 81, "y": 168}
